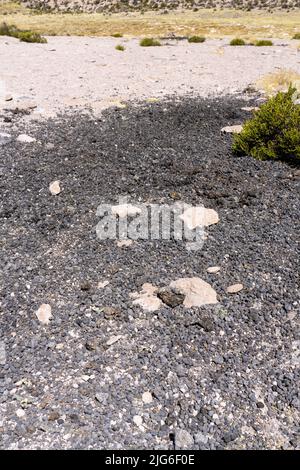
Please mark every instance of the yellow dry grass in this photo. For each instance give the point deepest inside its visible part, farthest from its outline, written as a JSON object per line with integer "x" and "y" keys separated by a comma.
{"x": 278, "y": 81}
{"x": 215, "y": 24}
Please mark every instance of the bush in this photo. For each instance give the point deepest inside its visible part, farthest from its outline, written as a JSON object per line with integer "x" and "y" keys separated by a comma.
{"x": 196, "y": 39}
{"x": 296, "y": 36}
{"x": 119, "y": 47}
{"x": 23, "y": 35}
{"x": 263, "y": 42}
{"x": 148, "y": 42}
{"x": 237, "y": 42}
{"x": 117, "y": 35}
{"x": 274, "y": 131}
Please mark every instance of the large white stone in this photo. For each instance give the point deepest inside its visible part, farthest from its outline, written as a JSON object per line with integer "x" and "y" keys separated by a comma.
{"x": 147, "y": 298}
{"x": 197, "y": 292}
{"x": 44, "y": 313}
{"x": 199, "y": 217}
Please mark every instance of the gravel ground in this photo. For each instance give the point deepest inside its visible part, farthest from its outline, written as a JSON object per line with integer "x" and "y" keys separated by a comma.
{"x": 89, "y": 72}
{"x": 219, "y": 376}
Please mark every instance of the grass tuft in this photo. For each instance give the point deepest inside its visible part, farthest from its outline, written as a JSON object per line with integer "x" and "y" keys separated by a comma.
{"x": 196, "y": 39}
{"x": 281, "y": 80}
{"x": 117, "y": 35}
{"x": 119, "y": 47}
{"x": 237, "y": 42}
{"x": 149, "y": 42}
{"x": 23, "y": 35}
{"x": 296, "y": 36}
{"x": 263, "y": 42}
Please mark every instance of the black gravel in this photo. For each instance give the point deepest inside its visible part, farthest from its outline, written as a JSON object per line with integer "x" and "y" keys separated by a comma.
{"x": 227, "y": 374}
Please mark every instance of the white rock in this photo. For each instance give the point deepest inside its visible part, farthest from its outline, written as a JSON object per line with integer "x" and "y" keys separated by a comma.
{"x": 44, "y": 313}
{"x": 199, "y": 217}
{"x": 113, "y": 339}
{"x": 250, "y": 108}
{"x": 213, "y": 269}
{"x": 102, "y": 284}
{"x": 124, "y": 210}
{"x": 122, "y": 243}
{"x": 8, "y": 97}
{"x": 54, "y": 188}
{"x": 232, "y": 129}
{"x": 183, "y": 439}
{"x": 138, "y": 420}
{"x": 147, "y": 397}
{"x": 147, "y": 298}
{"x": 20, "y": 413}
{"x": 197, "y": 292}
{"x": 25, "y": 138}
{"x": 235, "y": 288}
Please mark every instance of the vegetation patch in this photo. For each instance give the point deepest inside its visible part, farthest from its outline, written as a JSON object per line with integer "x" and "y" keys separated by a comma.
{"x": 196, "y": 39}
{"x": 149, "y": 42}
{"x": 296, "y": 36}
{"x": 237, "y": 42}
{"x": 119, "y": 47}
{"x": 274, "y": 131}
{"x": 281, "y": 80}
{"x": 117, "y": 35}
{"x": 23, "y": 35}
{"x": 263, "y": 42}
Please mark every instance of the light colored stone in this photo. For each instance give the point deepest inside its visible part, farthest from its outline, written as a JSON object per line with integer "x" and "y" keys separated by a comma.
{"x": 4, "y": 138}
{"x": 147, "y": 298}
{"x": 124, "y": 243}
{"x": 44, "y": 313}
{"x": 102, "y": 284}
{"x": 20, "y": 413}
{"x": 250, "y": 108}
{"x": 235, "y": 288}
{"x": 183, "y": 439}
{"x": 138, "y": 420}
{"x": 54, "y": 188}
{"x": 8, "y": 97}
{"x": 199, "y": 217}
{"x": 113, "y": 339}
{"x": 125, "y": 210}
{"x": 232, "y": 129}
{"x": 24, "y": 138}
{"x": 147, "y": 397}
{"x": 213, "y": 269}
{"x": 197, "y": 292}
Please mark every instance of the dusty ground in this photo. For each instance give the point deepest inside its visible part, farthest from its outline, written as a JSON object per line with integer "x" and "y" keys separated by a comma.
{"x": 89, "y": 72}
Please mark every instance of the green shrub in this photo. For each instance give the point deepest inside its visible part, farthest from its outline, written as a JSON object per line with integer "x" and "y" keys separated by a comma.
{"x": 274, "y": 131}
{"x": 263, "y": 42}
{"x": 23, "y": 35}
{"x": 119, "y": 47}
{"x": 196, "y": 39}
{"x": 296, "y": 36}
{"x": 148, "y": 42}
{"x": 237, "y": 42}
{"x": 117, "y": 35}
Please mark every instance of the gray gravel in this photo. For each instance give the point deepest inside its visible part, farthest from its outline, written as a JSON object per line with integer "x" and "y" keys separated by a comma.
{"x": 220, "y": 376}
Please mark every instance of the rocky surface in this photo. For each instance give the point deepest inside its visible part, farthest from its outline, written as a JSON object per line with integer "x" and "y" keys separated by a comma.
{"x": 84, "y": 366}
{"x": 163, "y": 5}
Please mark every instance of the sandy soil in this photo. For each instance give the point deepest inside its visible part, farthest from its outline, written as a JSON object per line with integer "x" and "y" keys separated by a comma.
{"x": 89, "y": 72}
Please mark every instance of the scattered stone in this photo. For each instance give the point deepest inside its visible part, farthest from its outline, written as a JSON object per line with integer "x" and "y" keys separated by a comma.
{"x": 230, "y": 436}
{"x": 183, "y": 439}
{"x": 53, "y": 416}
{"x": 201, "y": 438}
{"x": 260, "y": 404}
{"x": 213, "y": 269}
{"x": 250, "y": 108}
{"x": 49, "y": 146}
{"x": 4, "y": 138}
{"x": 170, "y": 297}
{"x": 147, "y": 298}
{"x": 147, "y": 397}
{"x": 197, "y": 292}
{"x": 91, "y": 345}
{"x": 125, "y": 210}
{"x": 199, "y": 217}
{"x": 122, "y": 243}
{"x": 8, "y": 98}
{"x": 44, "y": 314}
{"x": 85, "y": 286}
{"x": 20, "y": 413}
{"x": 110, "y": 312}
{"x": 232, "y": 129}
{"x": 175, "y": 195}
{"x": 102, "y": 284}
{"x": 54, "y": 188}
{"x": 138, "y": 420}
{"x": 234, "y": 288}
{"x": 25, "y": 138}
{"x": 113, "y": 339}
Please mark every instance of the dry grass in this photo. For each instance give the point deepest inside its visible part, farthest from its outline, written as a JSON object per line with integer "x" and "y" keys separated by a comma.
{"x": 253, "y": 24}
{"x": 278, "y": 81}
